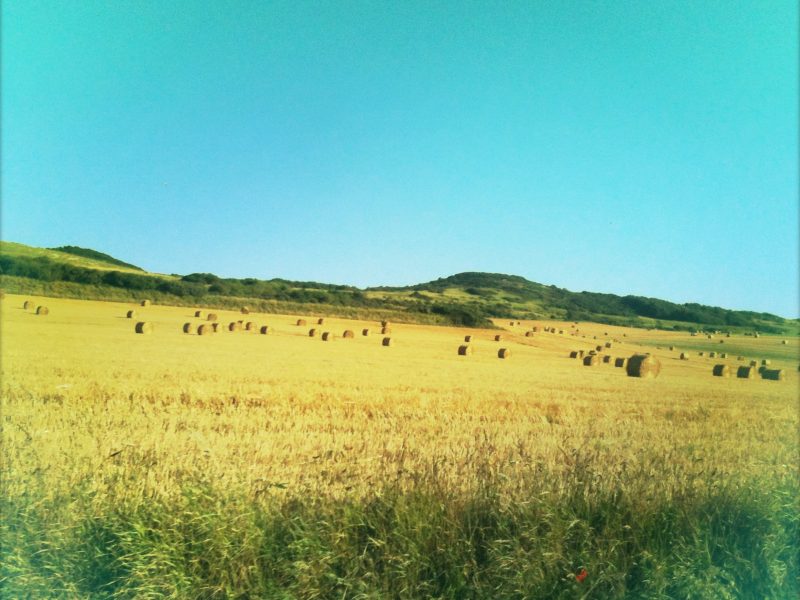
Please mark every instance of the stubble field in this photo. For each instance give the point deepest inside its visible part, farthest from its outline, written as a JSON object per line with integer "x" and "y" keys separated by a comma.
{"x": 246, "y": 465}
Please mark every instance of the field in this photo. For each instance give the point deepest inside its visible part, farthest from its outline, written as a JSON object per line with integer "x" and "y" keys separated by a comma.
{"x": 246, "y": 465}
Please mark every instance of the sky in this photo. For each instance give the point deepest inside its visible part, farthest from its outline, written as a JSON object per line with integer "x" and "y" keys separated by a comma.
{"x": 624, "y": 147}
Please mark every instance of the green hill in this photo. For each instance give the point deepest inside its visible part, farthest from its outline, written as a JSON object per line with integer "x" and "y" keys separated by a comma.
{"x": 469, "y": 299}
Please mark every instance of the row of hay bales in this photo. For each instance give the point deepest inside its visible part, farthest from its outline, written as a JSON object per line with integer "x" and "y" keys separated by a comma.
{"x": 469, "y": 350}
{"x": 39, "y": 310}
{"x": 638, "y": 365}
{"x": 749, "y": 372}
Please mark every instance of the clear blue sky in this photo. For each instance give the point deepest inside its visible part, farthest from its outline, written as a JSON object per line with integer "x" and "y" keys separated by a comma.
{"x": 627, "y": 147}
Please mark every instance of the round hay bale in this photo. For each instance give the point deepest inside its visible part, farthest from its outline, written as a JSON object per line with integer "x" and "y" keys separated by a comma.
{"x": 528, "y": 334}
{"x": 773, "y": 374}
{"x": 766, "y": 362}
{"x": 204, "y": 329}
{"x": 561, "y": 331}
{"x": 217, "y": 327}
{"x": 534, "y": 329}
{"x": 672, "y": 347}
{"x": 464, "y": 350}
{"x": 264, "y": 330}
{"x": 701, "y": 353}
{"x": 131, "y": 314}
{"x": 27, "y": 304}
{"x": 740, "y": 358}
{"x": 581, "y": 353}
{"x": 684, "y": 356}
{"x": 188, "y": 328}
{"x": 211, "y": 317}
{"x": 245, "y": 310}
{"x": 504, "y": 353}
{"x": 42, "y": 310}
{"x": 321, "y": 321}
{"x": 144, "y": 327}
{"x": 234, "y": 326}
{"x": 387, "y": 341}
{"x": 757, "y": 335}
{"x": 784, "y": 342}
{"x": 365, "y": 332}
{"x": 607, "y": 358}
{"x": 573, "y": 354}
{"x": 348, "y": 334}
{"x": 301, "y": 322}
{"x": 746, "y": 372}
{"x": 643, "y": 365}
{"x": 198, "y": 314}
{"x": 592, "y": 352}
{"x": 608, "y": 344}
{"x": 312, "y": 333}
{"x": 145, "y": 303}
{"x": 723, "y": 355}
{"x": 722, "y": 341}
{"x": 511, "y": 323}
{"x": 621, "y": 362}
{"x": 712, "y": 355}
{"x": 599, "y": 348}
{"x": 250, "y": 326}
{"x": 384, "y": 323}
{"x": 753, "y": 363}
{"x": 591, "y": 360}
{"x": 498, "y": 338}
{"x": 519, "y": 322}
{"x": 721, "y": 371}
{"x": 467, "y": 338}
{"x": 386, "y": 330}
{"x": 327, "y": 336}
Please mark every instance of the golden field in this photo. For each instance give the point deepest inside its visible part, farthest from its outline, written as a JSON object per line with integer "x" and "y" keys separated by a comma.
{"x": 86, "y": 401}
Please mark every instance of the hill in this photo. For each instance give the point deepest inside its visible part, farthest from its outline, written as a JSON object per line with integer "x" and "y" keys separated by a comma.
{"x": 469, "y": 299}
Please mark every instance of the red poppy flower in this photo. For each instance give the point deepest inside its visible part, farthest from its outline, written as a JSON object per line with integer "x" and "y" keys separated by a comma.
{"x": 582, "y": 575}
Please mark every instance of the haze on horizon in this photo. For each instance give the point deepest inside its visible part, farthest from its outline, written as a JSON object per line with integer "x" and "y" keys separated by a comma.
{"x": 626, "y": 148}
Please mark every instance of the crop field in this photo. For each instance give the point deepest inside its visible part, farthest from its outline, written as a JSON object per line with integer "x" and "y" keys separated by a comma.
{"x": 237, "y": 464}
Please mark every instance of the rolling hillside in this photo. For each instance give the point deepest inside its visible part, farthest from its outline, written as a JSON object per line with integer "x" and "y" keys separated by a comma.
{"x": 469, "y": 299}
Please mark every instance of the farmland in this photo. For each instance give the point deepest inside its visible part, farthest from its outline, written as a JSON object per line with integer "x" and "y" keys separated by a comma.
{"x": 246, "y": 465}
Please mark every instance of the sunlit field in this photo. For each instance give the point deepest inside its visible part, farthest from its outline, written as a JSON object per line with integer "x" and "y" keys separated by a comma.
{"x": 237, "y": 464}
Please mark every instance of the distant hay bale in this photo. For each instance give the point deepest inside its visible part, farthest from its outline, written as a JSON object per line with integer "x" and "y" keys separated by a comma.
{"x": 264, "y": 330}
{"x": 528, "y": 334}
{"x": 753, "y": 363}
{"x": 534, "y": 329}
{"x": 27, "y": 304}
{"x": 561, "y": 331}
{"x": 327, "y": 336}
{"x": 131, "y": 314}
{"x": 245, "y": 310}
{"x": 211, "y": 317}
{"x": 144, "y": 327}
{"x": 608, "y": 344}
{"x": 607, "y": 358}
{"x": 598, "y": 348}
{"x": 464, "y": 350}
{"x": 385, "y": 324}
{"x": 746, "y": 372}
{"x": 723, "y": 355}
{"x": 387, "y": 341}
{"x": 722, "y": 341}
{"x": 321, "y": 321}
{"x": 672, "y": 347}
{"x": 721, "y": 371}
{"x": 365, "y": 332}
{"x": 204, "y": 329}
{"x": 250, "y": 326}
{"x": 740, "y": 358}
{"x": 312, "y": 333}
{"x": 217, "y": 327}
{"x": 519, "y": 322}
{"x": 188, "y": 328}
{"x": 591, "y": 360}
{"x": 498, "y": 338}
{"x": 511, "y": 323}
{"x": 42, "y": 310}
{"x": 348, "y": 334}
{"x": 573, "y": 354}
{"x": 145, "y": 302}
{"x": 621, "y": 362}
{"x": 701, "y": 353}
{"x": 468, "y": 338}
{"x": 766, "y": 362}
{"x": 773, "y": 374}
{"x": 643, "y": 365}
{"x": 301, "y": 323}
{"x": 784, "y": 342}
{"x": 712, "y": 354}
{"x": 684, "y": 356}
{"x": 198, "y": 314}
{"x": 386, "y": 330}
{"x": 234, "y": 326}
{"x": 504, "y": 353}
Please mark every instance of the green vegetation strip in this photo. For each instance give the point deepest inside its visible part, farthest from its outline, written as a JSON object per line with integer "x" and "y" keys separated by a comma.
{"x": 733, "y": 542}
